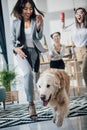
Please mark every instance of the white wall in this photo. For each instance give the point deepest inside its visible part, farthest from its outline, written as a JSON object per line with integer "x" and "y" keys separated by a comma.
{"x": 58, "y": 5}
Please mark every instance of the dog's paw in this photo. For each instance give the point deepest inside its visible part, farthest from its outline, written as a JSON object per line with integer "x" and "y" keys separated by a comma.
{"x": 54, "y": 120}
{"x": 60, "y": 121}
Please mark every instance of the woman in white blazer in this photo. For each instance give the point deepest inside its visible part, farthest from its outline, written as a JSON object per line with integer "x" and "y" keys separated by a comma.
{"x": 27, "y": 31}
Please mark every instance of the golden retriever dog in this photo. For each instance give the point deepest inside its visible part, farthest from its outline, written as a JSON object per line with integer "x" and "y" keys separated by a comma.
{"x": 53, "y": 87}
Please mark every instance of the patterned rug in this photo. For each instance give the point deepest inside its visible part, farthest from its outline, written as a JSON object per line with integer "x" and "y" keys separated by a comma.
{"x": 18, "y": 114}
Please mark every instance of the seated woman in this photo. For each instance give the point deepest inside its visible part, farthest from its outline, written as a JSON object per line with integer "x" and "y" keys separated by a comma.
{"x": 57, "y": 52}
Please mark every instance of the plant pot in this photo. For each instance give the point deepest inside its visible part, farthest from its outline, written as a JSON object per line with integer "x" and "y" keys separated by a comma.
{"x": 12, "y": 96}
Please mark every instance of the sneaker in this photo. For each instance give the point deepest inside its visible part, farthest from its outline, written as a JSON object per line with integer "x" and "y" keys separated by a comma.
{"x": 32, "y": 111}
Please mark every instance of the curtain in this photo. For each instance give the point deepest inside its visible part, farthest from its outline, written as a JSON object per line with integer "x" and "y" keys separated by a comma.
{"x": 3, "y": 49}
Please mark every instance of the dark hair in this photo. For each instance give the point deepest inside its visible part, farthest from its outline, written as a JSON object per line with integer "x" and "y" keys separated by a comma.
{"x": 85, "y": 18}
{"x": 54, "y": 33}
{"x": 17, "y": 10}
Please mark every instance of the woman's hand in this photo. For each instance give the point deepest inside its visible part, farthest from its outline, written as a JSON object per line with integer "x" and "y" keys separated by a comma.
{"x": 39, "y": 21}
{"x": 19, "y": 51}
{"x": 51, "y": 56}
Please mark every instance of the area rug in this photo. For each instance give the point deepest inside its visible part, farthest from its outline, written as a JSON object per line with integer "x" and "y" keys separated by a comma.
{"x": 17, "y": 114}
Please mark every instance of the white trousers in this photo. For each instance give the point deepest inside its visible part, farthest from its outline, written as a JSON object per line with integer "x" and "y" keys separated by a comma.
{"x": 26, "y": 72}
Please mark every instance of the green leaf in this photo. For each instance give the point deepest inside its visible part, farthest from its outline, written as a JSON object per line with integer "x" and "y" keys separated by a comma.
{"x": 6, "y": 76}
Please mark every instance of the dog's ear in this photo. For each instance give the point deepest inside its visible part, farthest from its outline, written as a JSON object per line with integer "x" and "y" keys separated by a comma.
{"x": 62, "y": 83}
{"x": 57, "y": 83}
{"x": 60, "y": 78}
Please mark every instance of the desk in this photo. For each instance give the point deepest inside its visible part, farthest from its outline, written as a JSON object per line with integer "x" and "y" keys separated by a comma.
{"x": 74, "y": 70}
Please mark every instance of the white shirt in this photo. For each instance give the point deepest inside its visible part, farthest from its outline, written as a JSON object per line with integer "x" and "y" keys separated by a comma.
{"x": 79, "y": 35}
{"x": 28, "y": 36}
{"x": 57, "y": 56}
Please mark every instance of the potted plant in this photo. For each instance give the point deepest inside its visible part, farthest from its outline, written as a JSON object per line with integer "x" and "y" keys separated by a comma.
{"x": 6, "y": 77}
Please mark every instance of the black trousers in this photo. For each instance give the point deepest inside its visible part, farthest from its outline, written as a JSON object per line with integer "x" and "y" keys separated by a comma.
{"x": 58, "y": 64}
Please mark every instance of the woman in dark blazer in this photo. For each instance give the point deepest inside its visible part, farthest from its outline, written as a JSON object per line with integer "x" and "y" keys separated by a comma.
{"x": 27, "y": 31}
